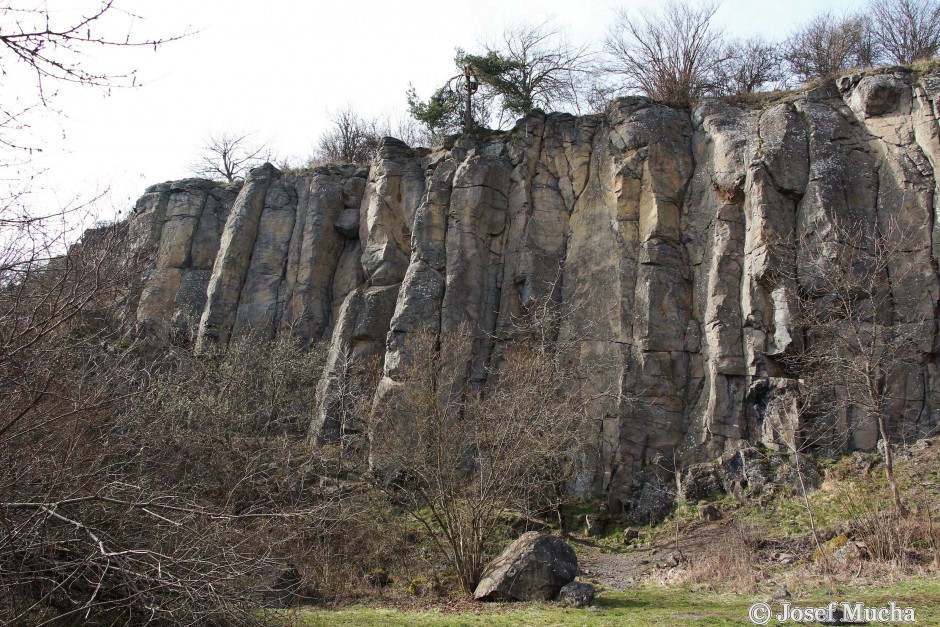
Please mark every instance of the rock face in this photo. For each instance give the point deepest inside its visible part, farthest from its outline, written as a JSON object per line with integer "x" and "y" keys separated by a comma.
{"x": 668, "y": 235}
{"x": 534, "y": 567}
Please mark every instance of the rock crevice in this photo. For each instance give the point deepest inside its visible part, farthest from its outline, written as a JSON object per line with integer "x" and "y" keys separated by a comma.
{"x": 671, "y": 239}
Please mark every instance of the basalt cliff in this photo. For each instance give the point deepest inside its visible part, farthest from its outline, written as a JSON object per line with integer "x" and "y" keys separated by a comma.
{"x": 663, "y": 233}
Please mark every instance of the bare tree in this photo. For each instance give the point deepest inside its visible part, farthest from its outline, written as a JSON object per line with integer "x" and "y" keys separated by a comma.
{"x": 458, "y": 458}
{"x": 229, "y": 155}
{"x": 99, "y": 520}
{"x": 829, "y": 44}
{"x": 863, "y": 330}
{"x": 750, "y": 66}
{"x": 148, "y": 485}
{"x": 669, "y": 54}
{"x": 905, "y": 30}
{"x": 353, "y": 138}
{"x": 350, "y": 138}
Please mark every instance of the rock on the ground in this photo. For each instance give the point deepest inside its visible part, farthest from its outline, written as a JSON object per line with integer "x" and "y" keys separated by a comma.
{"x": 709, "y": 512}
{"x": 577, "y": 593}
{"x": 651, "y": 500}
{"x": 596, "y": 524}
{"x": 701, "y": 481}
{"x": 283, "y": 588}
{"x": 534, "y": 567}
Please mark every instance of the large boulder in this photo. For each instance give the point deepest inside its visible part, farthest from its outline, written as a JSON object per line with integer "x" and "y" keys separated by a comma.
{"x": 533, "y": 568}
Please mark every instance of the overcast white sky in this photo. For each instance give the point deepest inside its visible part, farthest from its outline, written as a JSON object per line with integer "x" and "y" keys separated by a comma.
{"x": 278, "y": 67}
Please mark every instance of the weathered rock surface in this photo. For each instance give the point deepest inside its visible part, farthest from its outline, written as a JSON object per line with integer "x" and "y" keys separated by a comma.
{"x": 534, "y": 567}
{"x": 577, "y": 593}
{"x": 673, "y": 238}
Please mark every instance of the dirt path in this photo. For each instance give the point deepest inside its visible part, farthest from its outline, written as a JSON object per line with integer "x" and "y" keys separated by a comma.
{"x": 621, "y": 569}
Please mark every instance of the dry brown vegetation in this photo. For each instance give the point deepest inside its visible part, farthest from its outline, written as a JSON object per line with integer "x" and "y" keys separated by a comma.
{"x": 144, "y": 483}
{"x": 731, "y": 561}
{"x": 140, "y": 483}
{"x": 459, "y": 457}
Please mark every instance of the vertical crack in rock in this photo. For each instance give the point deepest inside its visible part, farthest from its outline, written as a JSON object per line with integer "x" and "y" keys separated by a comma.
{"x": 234, "y": 258}
{"x": 677, "y": 245}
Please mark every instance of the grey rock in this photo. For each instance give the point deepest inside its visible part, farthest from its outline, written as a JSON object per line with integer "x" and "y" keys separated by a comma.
{"x": 667, "y": 235}
{"x": 879, "y": 95}
{"x": 709, "y": 512}
{"x": 786, "y": 474}
{"x": 348, "y": 222}
{"x": 779, "y": 595}
{"x": 577, "y": 593}
{"x": 652, "y": 501}
{"x": 701, "y": 481}
{"x": 534, "y": 567}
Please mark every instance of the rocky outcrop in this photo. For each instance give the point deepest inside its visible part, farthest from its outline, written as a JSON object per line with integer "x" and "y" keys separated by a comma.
{"x": 671, "y": 239}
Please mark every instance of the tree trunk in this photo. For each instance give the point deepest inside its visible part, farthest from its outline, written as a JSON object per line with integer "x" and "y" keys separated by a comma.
{"x": 889, "y": 468}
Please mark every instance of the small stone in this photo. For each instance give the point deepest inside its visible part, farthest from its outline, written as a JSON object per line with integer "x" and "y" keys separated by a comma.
{"x": 709, "y": 512}
{"x": 779, "y": 595}
{"x": 577, "y": 593}
{"x": 670, "y": 562}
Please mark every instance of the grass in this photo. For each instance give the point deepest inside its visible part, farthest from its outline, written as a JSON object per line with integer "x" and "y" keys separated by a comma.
{"x": 726, "y": 576}
{"x": 642, "y": 606}
{"x": 646, "y": 605}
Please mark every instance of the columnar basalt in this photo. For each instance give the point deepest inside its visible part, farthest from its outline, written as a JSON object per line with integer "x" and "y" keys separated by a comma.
{"x": 671, "y": 239}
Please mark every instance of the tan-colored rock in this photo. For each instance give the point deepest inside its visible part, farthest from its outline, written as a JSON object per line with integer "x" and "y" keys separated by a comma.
{"x": 677, "y": 245}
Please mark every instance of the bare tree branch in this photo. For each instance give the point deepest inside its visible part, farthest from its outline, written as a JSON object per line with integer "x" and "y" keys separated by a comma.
{"x": 905, "y": 30}
{"x": 669, "y": 54}
{"x": 229, "y": 155}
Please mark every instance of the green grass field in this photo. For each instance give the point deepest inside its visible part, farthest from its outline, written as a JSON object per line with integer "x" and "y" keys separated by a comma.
{"x": 640, "y": 607}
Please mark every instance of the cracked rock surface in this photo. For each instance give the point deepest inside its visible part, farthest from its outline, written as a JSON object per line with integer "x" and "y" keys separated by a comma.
{"x": 669, "y": 236}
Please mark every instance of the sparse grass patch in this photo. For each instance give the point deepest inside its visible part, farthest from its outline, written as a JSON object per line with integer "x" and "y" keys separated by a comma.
{"x": 925, "y": 66}
{"x": 732, "y": 564}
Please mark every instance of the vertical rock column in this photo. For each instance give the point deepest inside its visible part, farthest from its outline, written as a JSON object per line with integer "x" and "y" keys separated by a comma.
{"x": 714, "y": 230}
{"x": 627, "y": 278}
{"x": 777, "y": 176}
{"x": 884, "y": 106}
{"x": 391, "y": 199}
{"x": 180, "y": 225}
{"x": 233, "y": 260}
